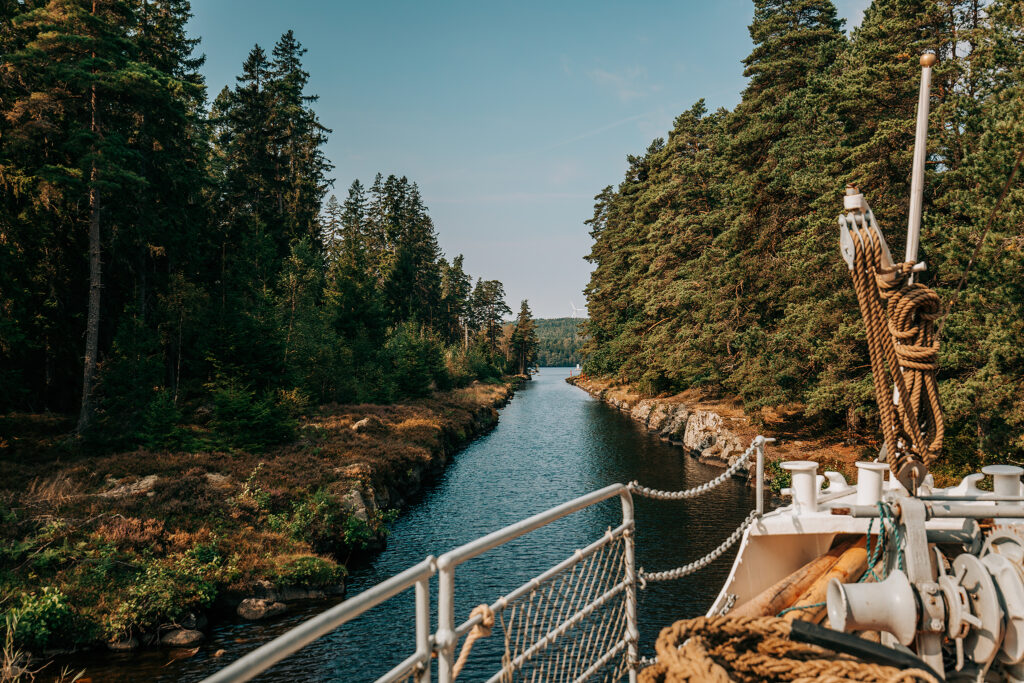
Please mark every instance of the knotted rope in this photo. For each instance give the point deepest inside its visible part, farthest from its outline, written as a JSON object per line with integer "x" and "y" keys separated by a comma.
{"x": 903, "y": 346}
{"x": 755, "y": 649}
{"x": 481, "y": 630}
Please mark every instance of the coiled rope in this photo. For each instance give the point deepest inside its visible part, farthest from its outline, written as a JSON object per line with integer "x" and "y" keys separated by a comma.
{"x": 725, "y": 649}
{"x": 903, "y": 346}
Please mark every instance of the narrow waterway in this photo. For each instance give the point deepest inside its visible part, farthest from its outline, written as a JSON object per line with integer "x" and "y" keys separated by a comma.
{"x": 553, "y": 443}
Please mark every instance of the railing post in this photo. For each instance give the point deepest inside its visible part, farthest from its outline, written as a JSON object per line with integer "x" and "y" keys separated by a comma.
{"x": 760, "y": 476}
{"x": 760, "y": 442}
{"x": 632, "y": 628}
{"x": 445, "y": 639}
{"x": 423, "y": 628}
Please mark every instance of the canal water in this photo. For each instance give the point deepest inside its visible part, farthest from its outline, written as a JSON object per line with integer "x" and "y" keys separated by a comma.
{"x": 553, "y": 442}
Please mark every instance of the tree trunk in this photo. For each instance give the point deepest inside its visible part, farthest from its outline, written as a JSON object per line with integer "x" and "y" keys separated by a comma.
{"x": 92, "y": 325}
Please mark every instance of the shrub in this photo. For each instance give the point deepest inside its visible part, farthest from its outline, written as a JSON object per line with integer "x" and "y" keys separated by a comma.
{"x": 45, "y": 619}
{"x": 124, "y": 383}
{"x": 317, "y": 520}
{"x": 359, "y": 534}
{"x": 159, "y": 424}
{"x": 244, "y": 421}
{"x": 169, "y": 589}
{"x": 778, "y": 478}
{"x": 311, "y": 571}
{"x": 479, "y": 362}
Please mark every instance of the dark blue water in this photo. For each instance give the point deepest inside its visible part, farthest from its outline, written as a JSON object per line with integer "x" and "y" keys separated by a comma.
{"x": 553, "y": 443}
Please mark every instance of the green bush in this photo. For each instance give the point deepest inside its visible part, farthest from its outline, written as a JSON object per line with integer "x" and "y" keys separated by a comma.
{"x": 45, "y": 619}
{"x": 124, "y": 383}
{"x": 360, "y": 534}
{"x": 159, "y": 425}
{"x": 247, "y": 422}
{"x": 317, "y": 520}
{"x": 168, "y": 590}
{"x": 322, "y": 521}
{"x": 778, "y": 478}
{"x": 311, "y": 571}
{"x": 479, "y": 362}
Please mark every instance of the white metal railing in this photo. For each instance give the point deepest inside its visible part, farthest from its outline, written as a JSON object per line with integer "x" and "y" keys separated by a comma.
{"x": 601, "y": 576}
{"x": 416, "y": 576}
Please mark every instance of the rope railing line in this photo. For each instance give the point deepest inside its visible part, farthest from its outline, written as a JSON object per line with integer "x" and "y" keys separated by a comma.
{"x": 643, "y": 577}
{"x": 656, "y": 494}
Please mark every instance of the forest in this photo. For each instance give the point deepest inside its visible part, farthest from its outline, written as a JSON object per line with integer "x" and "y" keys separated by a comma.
{"x": 716, "y": 259}
{"x": 559, "y": 341}
{"x": 167, "y": 260}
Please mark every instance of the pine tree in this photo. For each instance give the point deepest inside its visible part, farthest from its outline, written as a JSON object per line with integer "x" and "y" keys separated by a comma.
{"x": 488, "y": 311}
{"x": 523, "y": 345}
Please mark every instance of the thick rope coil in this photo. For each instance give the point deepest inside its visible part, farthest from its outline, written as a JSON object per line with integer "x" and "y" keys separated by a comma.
{"x": 635, "y": 487}
{"x": 755, "y": 649}
{"x": 686, "y": 570}
{"x": 481, "y": 630}
{"x": 903, "y": 346}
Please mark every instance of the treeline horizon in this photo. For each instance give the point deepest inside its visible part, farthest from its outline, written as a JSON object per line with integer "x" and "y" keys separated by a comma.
{"x": 167, "y": 260}
{"x": 559, "y": 341}
{"x": 716, "y": 259}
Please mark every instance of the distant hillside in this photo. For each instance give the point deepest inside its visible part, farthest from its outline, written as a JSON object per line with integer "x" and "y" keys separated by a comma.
{"x": 560, "y": 342}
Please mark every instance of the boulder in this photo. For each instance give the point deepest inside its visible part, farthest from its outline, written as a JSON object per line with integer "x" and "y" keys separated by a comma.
{"x": 355, "y": 505}
{"x": 133, "y": 488}
{"x": 182, "y": 637}
{"x": 255, "y": 609}
{"x": 218, "y": 480}
{"x": 702, "y": 430}
{"x": 123, "y": 645}
{"x": 370, "y": 424}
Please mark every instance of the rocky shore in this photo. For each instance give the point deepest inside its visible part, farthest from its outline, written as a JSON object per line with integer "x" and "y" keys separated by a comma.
{"x": 144, "y": 549}
{"x": 716, "y": 434}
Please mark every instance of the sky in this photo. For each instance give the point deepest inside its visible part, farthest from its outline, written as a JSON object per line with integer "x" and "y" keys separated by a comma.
{"x": 510, "y": 116}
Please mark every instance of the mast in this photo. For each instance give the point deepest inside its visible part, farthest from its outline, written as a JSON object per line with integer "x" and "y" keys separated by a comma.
{"x": 920, "y": 153}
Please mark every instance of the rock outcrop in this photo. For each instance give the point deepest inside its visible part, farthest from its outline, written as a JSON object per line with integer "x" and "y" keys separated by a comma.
{"x": 705, "y": 434}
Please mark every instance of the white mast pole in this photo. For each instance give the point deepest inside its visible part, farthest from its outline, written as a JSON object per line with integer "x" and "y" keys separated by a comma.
{"x": 920, "y": 153}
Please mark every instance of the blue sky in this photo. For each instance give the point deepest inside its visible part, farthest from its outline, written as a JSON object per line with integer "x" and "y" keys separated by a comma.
{"x": 510, "y": 116}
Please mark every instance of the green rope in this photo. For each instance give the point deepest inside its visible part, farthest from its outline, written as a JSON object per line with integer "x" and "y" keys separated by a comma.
{"x": 790, "y": 609}
{"x": 878, "y": 552}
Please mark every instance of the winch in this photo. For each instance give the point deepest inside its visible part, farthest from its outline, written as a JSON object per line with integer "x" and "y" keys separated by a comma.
{"x": 962, "y": 602}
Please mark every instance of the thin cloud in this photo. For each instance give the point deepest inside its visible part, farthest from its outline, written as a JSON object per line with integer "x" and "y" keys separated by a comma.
{"x": 627, "y": 84}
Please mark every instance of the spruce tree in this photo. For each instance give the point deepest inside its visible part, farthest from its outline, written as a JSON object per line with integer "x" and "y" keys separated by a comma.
{"x": 523, "y": 344}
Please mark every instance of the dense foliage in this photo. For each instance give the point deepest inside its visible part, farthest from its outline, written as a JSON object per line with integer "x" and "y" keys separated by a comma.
{"x": 165, "y": 262}
{"x": 559, "y": 341}
{"x": 716, "y": 261}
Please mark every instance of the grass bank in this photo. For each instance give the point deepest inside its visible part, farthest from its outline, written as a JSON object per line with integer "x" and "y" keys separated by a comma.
{"x": 129, "y": 547}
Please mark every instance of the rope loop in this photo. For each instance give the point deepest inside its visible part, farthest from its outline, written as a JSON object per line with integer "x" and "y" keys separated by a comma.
{"x": 481, "y": 630}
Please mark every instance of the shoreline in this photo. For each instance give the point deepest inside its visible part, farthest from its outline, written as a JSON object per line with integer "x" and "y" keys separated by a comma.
{"x": 192, "y": 537}
{"x": 716, "y": 432}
